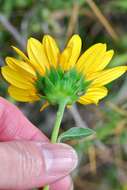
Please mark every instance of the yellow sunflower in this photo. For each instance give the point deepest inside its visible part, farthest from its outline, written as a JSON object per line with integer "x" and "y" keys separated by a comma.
{"x": 54, "y": 76}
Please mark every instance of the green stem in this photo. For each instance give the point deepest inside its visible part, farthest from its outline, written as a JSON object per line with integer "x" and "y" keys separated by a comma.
{"x": 46, "y": 187}
{"x": 56, "y": 128}
{"x": 59, "y": 117}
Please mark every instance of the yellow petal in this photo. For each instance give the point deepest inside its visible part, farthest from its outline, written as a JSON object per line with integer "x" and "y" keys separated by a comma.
{"x": 92, "y": 76}
{"x": 37, "y": 55}
{"x": 19, "y": 52}
{"x": 71, "y": 53}
{"x": 85, "y": 101}
{"x": 100, "y": 63}
{"x": 91, "y": 58}
{"x": 22, "y": 95}
{"x": 105, "y": 60}
{"x": 45, "y": 105}
{"x": 15, "y": 79}
{"x": 51, "y": 49}
{"x": 93, "y": 95}
{"x": 106, "y": 76}
{"x": 20, "y": 66}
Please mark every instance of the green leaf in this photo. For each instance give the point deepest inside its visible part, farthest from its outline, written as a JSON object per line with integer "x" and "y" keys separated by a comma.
{"x": 76, "y": 133}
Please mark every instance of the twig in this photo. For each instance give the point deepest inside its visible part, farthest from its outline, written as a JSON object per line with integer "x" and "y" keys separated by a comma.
{"x": 92, "y": 159}
{"x": 60, "y": 14}
{"x": 11, "y": 29}
{"x": 103, "y": 19}
{"x": 73, "y": 19}
{"x": 76, "y": 116}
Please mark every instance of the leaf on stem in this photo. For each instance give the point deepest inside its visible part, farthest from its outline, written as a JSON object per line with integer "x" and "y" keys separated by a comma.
{"x": 76, "y": 133}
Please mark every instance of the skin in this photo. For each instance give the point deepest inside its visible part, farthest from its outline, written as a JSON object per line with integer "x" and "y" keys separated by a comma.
{"x": 27, "y": 158}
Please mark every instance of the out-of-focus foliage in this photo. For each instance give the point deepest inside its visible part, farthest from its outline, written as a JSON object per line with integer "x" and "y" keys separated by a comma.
{"x": 103, "y": 159}
{"x": 118, "y": 5}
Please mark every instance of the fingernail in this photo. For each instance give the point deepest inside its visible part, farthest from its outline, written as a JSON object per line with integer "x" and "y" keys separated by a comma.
{"x": 59, "y": 159}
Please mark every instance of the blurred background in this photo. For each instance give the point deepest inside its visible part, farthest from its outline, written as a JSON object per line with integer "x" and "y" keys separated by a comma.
{"x": 102, "y": 159}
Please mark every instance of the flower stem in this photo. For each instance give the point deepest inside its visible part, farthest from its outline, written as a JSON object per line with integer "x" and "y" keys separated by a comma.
{"x": 46, "y": 187}
{"x": 59, "y": 117}
{"x": 56, "y": 128}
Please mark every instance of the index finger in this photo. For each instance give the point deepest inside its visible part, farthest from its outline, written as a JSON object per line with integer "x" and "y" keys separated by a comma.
{"x": 15, "y": 126}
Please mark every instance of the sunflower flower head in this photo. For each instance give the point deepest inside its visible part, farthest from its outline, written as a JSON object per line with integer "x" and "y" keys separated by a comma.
{"x": 54, "y": 76}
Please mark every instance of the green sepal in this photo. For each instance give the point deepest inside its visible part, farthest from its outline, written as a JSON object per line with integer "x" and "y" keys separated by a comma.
{"x": 57, "y": 85}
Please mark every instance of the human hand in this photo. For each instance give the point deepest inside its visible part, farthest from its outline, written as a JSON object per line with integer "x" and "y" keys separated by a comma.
{"x": 27, "y": 159}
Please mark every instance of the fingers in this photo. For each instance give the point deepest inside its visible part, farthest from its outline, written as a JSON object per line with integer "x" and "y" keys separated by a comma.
{"x": 14, "y": 125}
{"x": 63, "y": 184}
{"x": 28, "y": 164}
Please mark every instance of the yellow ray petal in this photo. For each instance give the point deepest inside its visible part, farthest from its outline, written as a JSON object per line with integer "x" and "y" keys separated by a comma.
{"x": 93, "y": 95}
{"x": 15, "y": 79}
{"x": 37, "y": 55}
{"x": 105, "y": 60}
{"x": 106, "y": 76}
{"x": 45, "y": 105}
{"x": 20, "y": 66}
{"x": 51, "y": 49}
{"x": 22, "y": 95}
{"x": 91, "y": 58}
{"x": 100, "y": 63}
{"x": 71, "y": 53}
{"x": 19, "y": 52}
{"x": 85, "y": 101}
{"x": 92, "y": 76}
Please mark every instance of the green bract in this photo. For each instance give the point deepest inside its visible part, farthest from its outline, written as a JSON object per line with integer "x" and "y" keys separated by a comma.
{"x": 57, "y": 86}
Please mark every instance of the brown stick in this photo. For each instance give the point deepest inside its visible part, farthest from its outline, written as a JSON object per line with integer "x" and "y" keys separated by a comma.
{"x": 73, "y": 20}
{"x": 103, "y": 20}
{"x": 12, "y": 30}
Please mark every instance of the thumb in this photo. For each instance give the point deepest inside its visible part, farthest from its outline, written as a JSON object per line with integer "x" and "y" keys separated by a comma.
{"x": 27, "y": 164}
